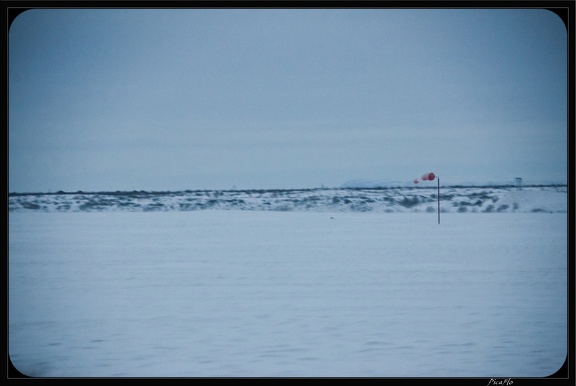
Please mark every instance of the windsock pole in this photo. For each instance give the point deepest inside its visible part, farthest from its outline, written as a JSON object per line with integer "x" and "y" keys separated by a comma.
{"x": 438, "y": 195}
{"x": 430, "y": 177}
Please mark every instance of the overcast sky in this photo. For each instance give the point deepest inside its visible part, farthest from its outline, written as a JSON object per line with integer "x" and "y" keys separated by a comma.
{"x": 110, "y": 99}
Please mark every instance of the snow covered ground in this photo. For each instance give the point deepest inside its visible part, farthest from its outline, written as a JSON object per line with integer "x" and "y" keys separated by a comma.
{"x": 290, "y": 293}
{"x": 400, "y": 199}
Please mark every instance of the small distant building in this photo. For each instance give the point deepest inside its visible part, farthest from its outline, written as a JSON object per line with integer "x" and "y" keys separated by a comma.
{"x": 519, "y": 183}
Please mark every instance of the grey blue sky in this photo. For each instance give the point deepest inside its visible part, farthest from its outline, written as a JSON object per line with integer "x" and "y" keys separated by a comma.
{"x": 171, "y": 99}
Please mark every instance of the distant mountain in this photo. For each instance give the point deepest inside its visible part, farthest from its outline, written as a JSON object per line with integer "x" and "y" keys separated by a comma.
{"x": 366, "y": 183}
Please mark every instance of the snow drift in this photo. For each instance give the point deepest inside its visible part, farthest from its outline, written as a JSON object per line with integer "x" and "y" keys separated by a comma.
{"x": 552, "y": 199}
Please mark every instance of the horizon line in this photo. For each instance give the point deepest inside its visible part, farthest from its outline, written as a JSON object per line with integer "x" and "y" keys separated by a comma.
{"x": 377, "y": 187}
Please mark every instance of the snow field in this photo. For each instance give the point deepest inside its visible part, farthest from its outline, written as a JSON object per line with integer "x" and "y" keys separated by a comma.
{"x": 255, "y": 293}
{"x": 488, "y": 199}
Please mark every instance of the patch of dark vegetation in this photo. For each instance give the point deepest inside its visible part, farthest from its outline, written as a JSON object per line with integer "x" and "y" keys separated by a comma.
{"x": 30, "y": 205}
{"x": 235, "y": 202}
{"x": 353, "y": 199}
{"x": 488, "y": 209}
{"x": 366, "y": 199}
{"x": 360, "y": 208}
{"x": 409, "y": 202}
{"x": 127, "y": 204}
{"x": 283, "y": 208}
{"x": 183, "y": 206}
{"x": 156, "y": 206}
{"x": 480, "y": 195}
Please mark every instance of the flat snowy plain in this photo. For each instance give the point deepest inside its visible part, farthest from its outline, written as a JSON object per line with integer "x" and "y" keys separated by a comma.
{"x": 232, "y": 293}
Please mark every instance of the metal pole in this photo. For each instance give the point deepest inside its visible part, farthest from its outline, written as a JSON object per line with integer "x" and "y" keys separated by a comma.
{"x": 438, "y": 200}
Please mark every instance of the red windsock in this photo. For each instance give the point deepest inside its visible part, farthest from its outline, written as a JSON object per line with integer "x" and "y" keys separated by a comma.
{"x": 428, "y": 177}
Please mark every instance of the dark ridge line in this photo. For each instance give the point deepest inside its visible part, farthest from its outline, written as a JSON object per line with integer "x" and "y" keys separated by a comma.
{"x": 187, "y": 191}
